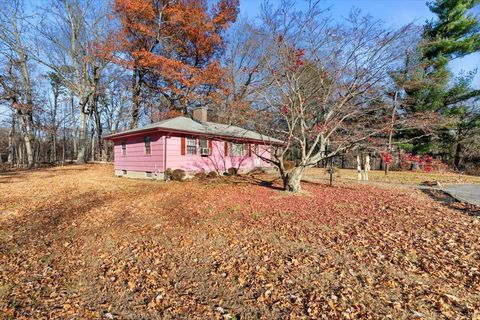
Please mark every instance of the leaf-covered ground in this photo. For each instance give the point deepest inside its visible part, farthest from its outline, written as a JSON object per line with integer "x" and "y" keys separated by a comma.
{"x": 78, "y": 243}
{"x": 400, "y": 177}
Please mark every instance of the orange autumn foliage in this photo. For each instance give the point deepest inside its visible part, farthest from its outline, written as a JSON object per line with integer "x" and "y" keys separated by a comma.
{"x": 177, "y": 43}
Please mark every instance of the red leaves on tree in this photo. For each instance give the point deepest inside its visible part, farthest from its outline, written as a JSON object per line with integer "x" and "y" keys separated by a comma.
{"x": 285, "y": 109}
{"x": 386, "y": 157}
{"x": 299, "y": 57}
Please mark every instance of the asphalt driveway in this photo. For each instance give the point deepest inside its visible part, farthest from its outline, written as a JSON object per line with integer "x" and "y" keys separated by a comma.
{"x": 464, "y": 192}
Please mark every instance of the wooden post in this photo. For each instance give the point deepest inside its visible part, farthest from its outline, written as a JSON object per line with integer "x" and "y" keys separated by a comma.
{"x": 359, "y": 169}
{"x": 367, "y": 167}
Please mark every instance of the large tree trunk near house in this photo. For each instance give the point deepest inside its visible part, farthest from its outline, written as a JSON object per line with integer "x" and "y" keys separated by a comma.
{"x": 92, "y": 146}
{"x": 292, "y": 179}
{"x": 98, "y": 123}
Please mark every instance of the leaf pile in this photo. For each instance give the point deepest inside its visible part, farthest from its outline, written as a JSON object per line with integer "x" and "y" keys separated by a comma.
{"x": 76, "y": 242}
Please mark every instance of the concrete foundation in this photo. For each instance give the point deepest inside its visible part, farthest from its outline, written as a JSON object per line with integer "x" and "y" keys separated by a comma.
{"x": 161, "y": 176}
{"x": 139, "y": 175}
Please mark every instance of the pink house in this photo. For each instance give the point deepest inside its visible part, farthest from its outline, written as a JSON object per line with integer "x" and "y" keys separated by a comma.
{"x": 190, "y": 144}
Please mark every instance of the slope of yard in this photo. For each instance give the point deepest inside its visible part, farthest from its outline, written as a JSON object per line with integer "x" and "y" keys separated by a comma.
{"x": 78, "y": 243}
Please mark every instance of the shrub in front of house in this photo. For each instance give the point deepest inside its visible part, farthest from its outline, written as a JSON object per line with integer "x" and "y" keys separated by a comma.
{"x": 232, "y": 171}
{"x": 178, "y": 175}
{"x": 168, "y": 174}
{"x": 200, "y": 175}
{"x": 212, "y": 174}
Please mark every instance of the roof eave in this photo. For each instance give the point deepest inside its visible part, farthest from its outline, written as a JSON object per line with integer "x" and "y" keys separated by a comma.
{"x": 118, "y": 135}
{"x": 160, "y": 129}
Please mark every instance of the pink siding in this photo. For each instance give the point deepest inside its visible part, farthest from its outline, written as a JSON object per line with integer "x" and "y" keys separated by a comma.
{"x": 136, "y": 160}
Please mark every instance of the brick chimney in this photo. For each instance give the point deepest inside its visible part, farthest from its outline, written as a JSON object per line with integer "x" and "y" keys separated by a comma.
{"x": 200, "y": 114}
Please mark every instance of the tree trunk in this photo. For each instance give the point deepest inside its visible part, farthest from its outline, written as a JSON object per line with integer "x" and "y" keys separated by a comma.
{"x": 291, "y": 180}
{"x": 99, "y": 130}
{"x": 20, "y": 155}
{"x": 28, "y": 140}
{"x": 82, "y": 141}
{"x": 136, "y": 89}
{"x": 53, "y": 158}
{"x": 415, "y": 166}
{"x": 54, "y": 148}
{"x": 92, "y": 143}
{"x": 11, "y": 147}
{"x": 458, "y": 156}
{"x": 74, "y": 126}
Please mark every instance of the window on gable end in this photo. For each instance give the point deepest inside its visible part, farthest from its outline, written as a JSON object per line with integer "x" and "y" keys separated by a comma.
{"x": 147, "y": 141}
{"x": 124, "y": 147}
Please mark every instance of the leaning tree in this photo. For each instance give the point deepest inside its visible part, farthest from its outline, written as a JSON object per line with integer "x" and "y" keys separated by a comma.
{"x": 327, "y": 83}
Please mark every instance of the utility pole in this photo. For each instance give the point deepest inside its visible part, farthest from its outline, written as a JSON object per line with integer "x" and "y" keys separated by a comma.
{"x": 390, "y": 134}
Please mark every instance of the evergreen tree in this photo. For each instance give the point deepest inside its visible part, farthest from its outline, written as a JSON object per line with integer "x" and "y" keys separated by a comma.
{"x": 455, "y": 34}
{"x": 428, "y": 83}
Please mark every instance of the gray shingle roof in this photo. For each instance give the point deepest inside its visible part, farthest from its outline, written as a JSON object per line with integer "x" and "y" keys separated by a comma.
{"x": 207, "y": 128}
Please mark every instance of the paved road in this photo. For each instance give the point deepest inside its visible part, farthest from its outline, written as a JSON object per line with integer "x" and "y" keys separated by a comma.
{"x": 464, "y": 192}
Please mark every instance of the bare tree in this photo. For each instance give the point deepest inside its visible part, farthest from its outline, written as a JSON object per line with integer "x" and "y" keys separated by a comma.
{"x": 16, "y": 84}
{"x": 327, "y": 83}
{"x": 68, "y": 34}
{"x": 242, "y": 79}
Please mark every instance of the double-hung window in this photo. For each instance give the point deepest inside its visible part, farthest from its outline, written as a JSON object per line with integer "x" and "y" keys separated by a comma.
{"x": 237, "y": 149}
{"x": 203, "y": 143}
{"x": 147, "y": 140}
{"x": 191, "y": 146}
{"x": 124, "y": 147}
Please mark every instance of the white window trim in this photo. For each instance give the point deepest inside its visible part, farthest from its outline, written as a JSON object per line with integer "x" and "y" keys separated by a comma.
{"x": 187, "y": 139}
{"x": 243, "y": 150}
